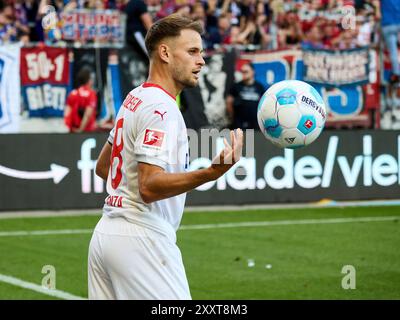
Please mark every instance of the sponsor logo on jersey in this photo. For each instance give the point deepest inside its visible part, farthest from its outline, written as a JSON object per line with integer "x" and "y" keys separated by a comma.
{"x": 160, "y": 114}
{"x": 153, "y": 138}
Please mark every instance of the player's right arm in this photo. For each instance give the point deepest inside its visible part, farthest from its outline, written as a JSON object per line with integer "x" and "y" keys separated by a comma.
{"x": 103, "y": 161}
{"x": 156, "y": 184}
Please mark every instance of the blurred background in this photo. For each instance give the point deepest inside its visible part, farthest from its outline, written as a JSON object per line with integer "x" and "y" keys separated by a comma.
{"x": 319, "y": 222}
{"x": 66, "y": 67}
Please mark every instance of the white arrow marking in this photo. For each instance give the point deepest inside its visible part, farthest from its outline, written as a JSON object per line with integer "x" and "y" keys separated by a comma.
{"x": 56, "y": 172}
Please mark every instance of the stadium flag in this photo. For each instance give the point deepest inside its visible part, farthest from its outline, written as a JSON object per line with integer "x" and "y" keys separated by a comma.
{"x": 114, "y": 86}
{"x": 10, "y": 104}
{"x": 336, "y": 68}
{"x": 44, "y": 80}
{"x": 105, "y": 27}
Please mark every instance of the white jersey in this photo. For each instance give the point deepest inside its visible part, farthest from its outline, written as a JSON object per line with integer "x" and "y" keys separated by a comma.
{"x": 149, "y": 128}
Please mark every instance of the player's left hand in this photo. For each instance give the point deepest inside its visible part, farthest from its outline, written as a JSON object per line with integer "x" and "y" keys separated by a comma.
{"x": 230, "y": 155}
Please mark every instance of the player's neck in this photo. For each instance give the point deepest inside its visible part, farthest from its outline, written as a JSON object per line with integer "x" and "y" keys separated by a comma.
{"x": 164, "y": 80}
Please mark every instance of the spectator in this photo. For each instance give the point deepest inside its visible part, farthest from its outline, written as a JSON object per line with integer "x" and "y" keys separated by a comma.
{"x": 96, "y": 4}
{"x": 248, "y": 34}
{"x": 174, "y": 6}
{"x": 365, "y": 27}
{"x": 331, "y": 34}
{"x": 211, "y": 14}
{"x": 21, "y": 21}
{"x": 120, "y": 4}
{"x": 31, "y": 11}
{"x": 348, "y": 40}
{"x": 390, "y": 11}
{"x": 198, "y": 13}
{"x": 222, "y": 35}
{"x": 242, "y": 100}
{"x": 8, "y": 31}
{"x": 290, "y": 31}
{"x": 313, "y": 39}
{"x": 233, "y": 9}
{"x": 80, "y": 112}
{"x": 138, "y": 22}
{"x": 153, "y": 7}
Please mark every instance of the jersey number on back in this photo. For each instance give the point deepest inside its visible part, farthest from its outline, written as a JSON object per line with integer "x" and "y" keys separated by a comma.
{"x": 116, "y": 157}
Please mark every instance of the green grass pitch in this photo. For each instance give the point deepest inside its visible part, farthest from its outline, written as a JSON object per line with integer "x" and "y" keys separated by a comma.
{"x": 290, "y": 260}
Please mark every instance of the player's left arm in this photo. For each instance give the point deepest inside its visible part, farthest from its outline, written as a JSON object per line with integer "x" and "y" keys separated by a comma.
{"x": 157, "y": 184}
{"x": 104, "y": 161}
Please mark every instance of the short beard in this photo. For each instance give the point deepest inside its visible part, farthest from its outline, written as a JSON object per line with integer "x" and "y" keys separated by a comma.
{"x": 184, "y": 83}
{"x": 189, "y": 84}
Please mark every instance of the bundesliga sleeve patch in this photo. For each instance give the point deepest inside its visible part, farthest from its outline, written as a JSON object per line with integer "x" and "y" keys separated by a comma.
{"x": 153, "y": 138}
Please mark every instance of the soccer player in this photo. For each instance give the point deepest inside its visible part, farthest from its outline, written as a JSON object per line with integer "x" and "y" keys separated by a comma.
{"x": 80, "y": 112}
{"x": 133, "y": 252}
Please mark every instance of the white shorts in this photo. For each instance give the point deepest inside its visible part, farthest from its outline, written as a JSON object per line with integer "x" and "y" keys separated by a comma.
{"x": 128, "y": 261}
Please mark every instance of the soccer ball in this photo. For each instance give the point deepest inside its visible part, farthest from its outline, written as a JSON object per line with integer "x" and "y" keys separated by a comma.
{"x": 291, "y": 114}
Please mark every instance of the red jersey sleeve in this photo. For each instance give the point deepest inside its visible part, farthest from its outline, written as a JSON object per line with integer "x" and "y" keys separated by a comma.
{"x": 68, "y": 119}
{"x": 92, "y": 103}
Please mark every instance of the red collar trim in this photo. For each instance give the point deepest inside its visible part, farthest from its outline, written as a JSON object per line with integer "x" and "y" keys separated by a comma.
{"x": 148, "y": 85}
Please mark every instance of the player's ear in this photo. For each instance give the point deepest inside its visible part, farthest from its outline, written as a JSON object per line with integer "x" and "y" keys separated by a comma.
{"x": 164, "y": 52}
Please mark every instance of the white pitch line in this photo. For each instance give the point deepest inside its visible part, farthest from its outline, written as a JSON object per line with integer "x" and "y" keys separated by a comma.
{"x": 286, "y": 222}
{"x": 192, "y": 209}
{"x": 44, "y": 232}
{"x": 35, "y": 287}
{"x": 216, "y": 225}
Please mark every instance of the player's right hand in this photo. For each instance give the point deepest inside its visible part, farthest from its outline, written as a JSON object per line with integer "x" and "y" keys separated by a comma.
{"x": 229, "y": 155}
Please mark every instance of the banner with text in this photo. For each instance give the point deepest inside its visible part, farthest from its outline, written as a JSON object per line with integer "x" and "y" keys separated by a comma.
{"x": 336, "y": 68}
{"x": 58, "y": 171}
{"x": 88, "y": 26}
{"x": 354, "y": 104}
{"x": 44, "y": 80}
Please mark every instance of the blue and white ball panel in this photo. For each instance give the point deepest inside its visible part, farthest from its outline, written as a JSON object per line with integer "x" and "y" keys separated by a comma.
{"x": 309, "y": 106}
{"x": 291, "y": 114}
{"x": 288, "y": 116}
{"x": 272, "y": 128}
{"x": 286, "y": 96}
{"x": 307, "y": 124}
{"x": 267, "y": 106}
{"x": 292, "y": 138}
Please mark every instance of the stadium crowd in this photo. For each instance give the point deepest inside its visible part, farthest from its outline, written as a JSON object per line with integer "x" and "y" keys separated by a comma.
{"x": 247, "y": 24}
{"x": 265, "y": 24}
